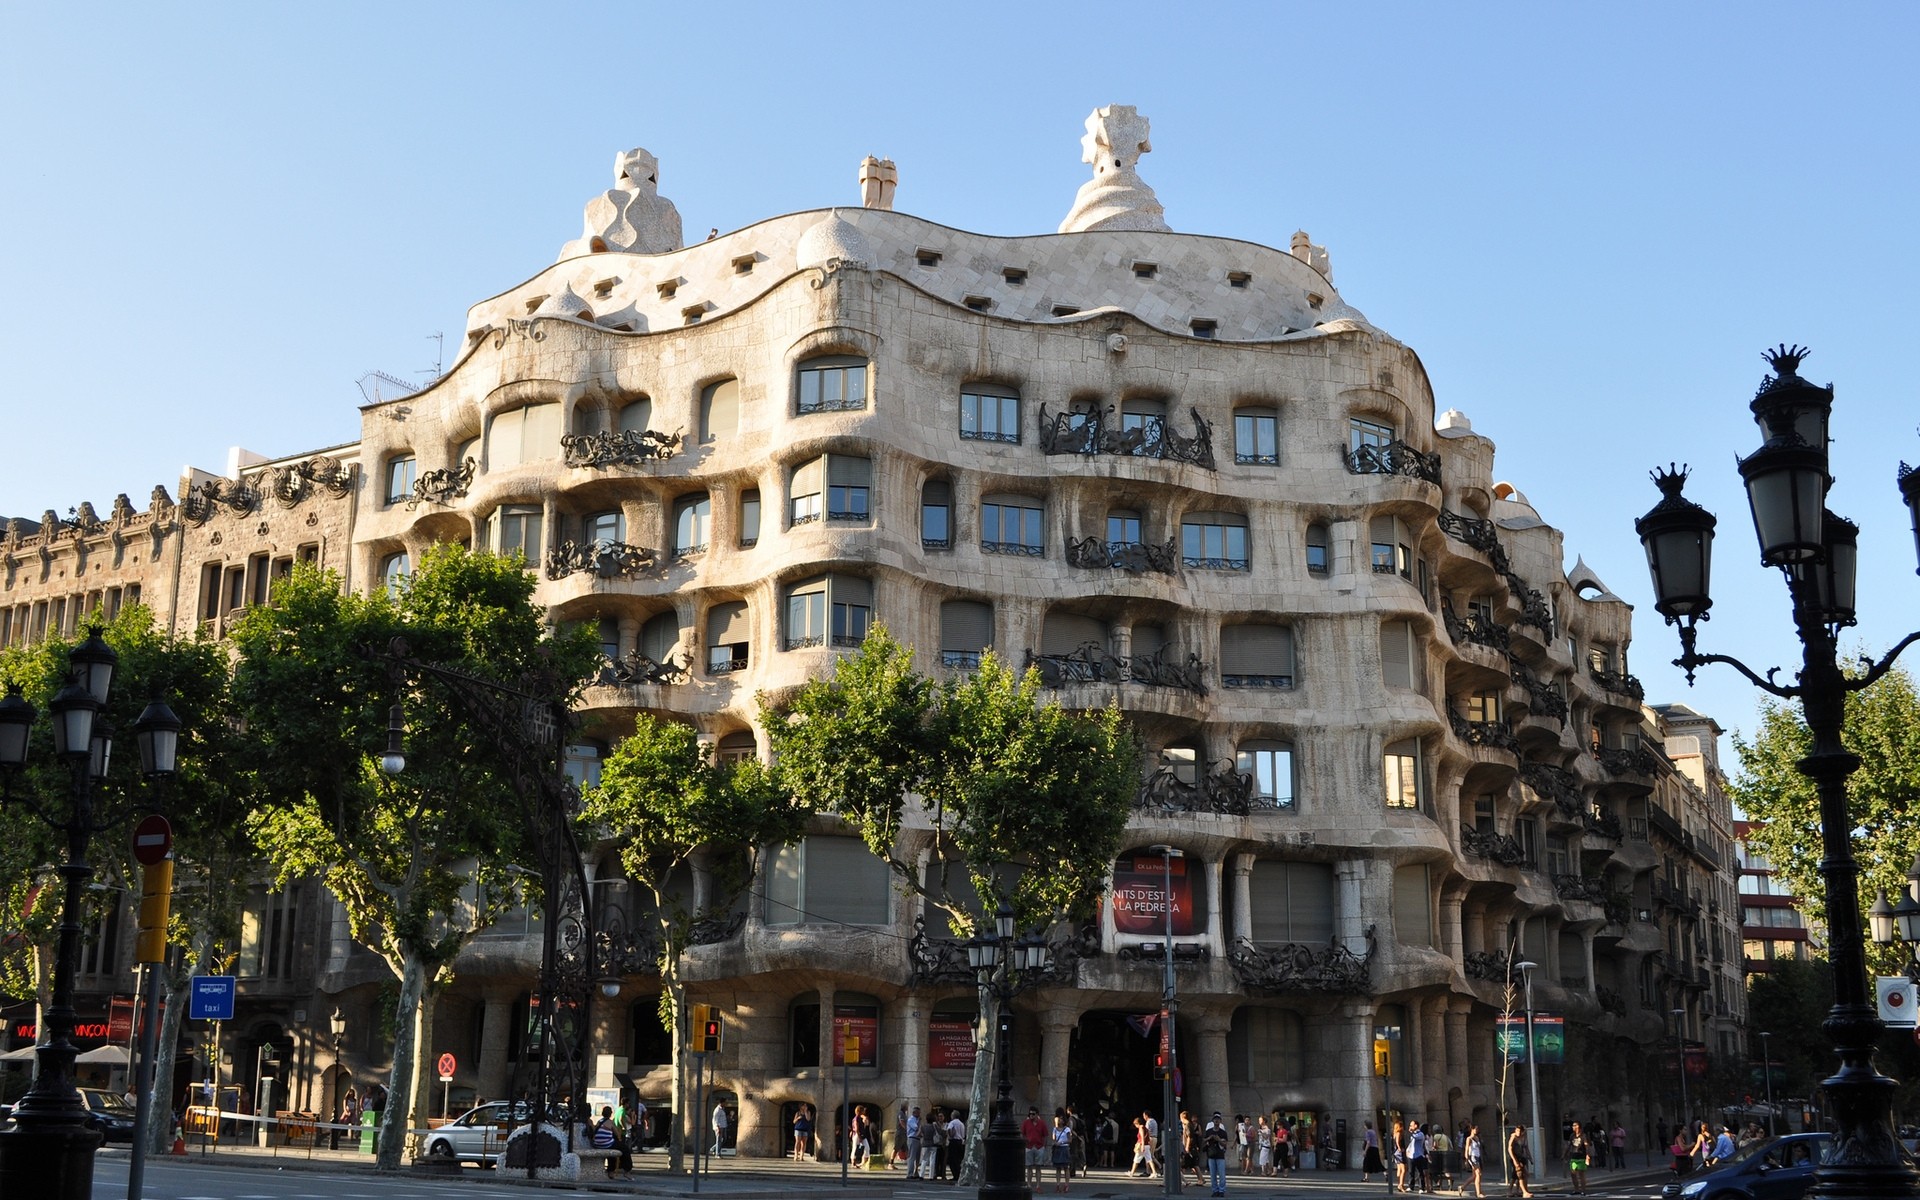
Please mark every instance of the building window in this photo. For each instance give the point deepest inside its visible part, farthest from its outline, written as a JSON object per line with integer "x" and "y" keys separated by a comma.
{"x": 727, "y": 638}
{"x": 1401, "y": 659}
{"x": 1482, "y": 708}
{"x": 660, "y": 637}
{"x": 1214, "y": 541}
{"x": 1012, "y": 525}
{"x": 1270, "y": 766}
{"x": 990, "y": 415}
{"x": 524, "y": 435}
{"x": 966, "y": 630}
{"x": 736, "y": 748}
{"x": 1318, "y": 560}
{"x": 1400, "y": 768}
{"x": 750, "y": 517}
{"x": 1256, "y": 656}
{"x": 270, "y": 934}
{"x": 719, "y": 411}
{"x": 1412, "y": 905}
{"x": 838, "y": 608}
{"x": 1143, "y": 428}
{"x": 608, "y": 631}
{"x": 401, "y": 471}
{"x": 604, "y": 527}
{"x": 809, "y": 482}
{"x": 1123, "y": 532}
{"x": 395, "y": 571}
{"x": 581, "y": 764}
{"x": 936, "y": 515}
{"x": 1392, "y": 547}
{"x": 1265, "y": 1046}
{"x": 849, "y": 482}
{"x": 827, "y": 881}
{"x": 1557, "y": 854}
{"x": 1369, "y": 435}
{"x": 836, "y": 383}
{"x": 1292, "y": 902}
{"x": 1256, "y": 437}
{"x": 807, "y": 617}
{"x": 515, "y": 529}
{"x": 636, "y": 416}
{"x": 1483, "y": 814}
{"x": 692, "y": 524}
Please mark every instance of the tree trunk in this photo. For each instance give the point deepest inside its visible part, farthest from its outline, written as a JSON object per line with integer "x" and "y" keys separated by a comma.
{"x": 424, "y": 1076}
{"x": 173, "y": 1011}
{"x": 979, "y": 1096}
{"x": 682, "y": 1127}
{"x": 393, "y": 1120}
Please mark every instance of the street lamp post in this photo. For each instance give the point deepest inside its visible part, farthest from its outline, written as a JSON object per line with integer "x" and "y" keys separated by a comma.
{"x": 1787, "y": 484}
{"x": 1680, "y": 1057}
{"x": 1169, "y": 1015}
{"x": 1535, "y": 1145}
{"x": 1003, "y": 965}
{"x": 1766, "y": 1065}
{"x": 49, "y": 1151}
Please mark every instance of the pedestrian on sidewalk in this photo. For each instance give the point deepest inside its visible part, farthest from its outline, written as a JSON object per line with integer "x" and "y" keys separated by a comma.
{"x": 1519, "y": 1163}
{"x": 914, "y": 1132}
{"x": 1619, "y": 1144}
{"x": 1579, "y": 1151}
{"x": 1476, "y": 1154}
{"x": 1370, "y": 1160}
{"x": 1214, "y": 1141}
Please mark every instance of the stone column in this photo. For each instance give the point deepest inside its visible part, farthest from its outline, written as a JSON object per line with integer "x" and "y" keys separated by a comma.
{"x": 1450, "y": 932}
{"x": 1459, "y": 1060}
{"x": 1431, "y": 1087}
{"x": 1586, "y": 948}
{"x": 1353, "y": 1091}
{"x": 1473, "y": 930}
{"x": 829, "y": 1077}
{"x": 491, "y": 1079}
{"x": 1209, "y": 1032}
{"x": 1349, "y": 910}
{"x": 1242, "y": 899}
{"x": 1056, "y": 1037}
{"x": 1212, "y": 875}
{"x": 629, "y": 634}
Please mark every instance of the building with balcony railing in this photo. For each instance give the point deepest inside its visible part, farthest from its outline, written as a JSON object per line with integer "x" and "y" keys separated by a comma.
{"x": 1395, "y": 738}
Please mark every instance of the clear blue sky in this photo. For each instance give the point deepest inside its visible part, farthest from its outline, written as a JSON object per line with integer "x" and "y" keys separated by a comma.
{"x": 1588, "y": 220}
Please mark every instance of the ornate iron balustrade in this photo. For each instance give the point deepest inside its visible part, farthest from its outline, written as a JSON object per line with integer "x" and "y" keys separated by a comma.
{"x": 1491, "y": 965}
{"x": 1618, "y": 681}
{"x": 1581, "y": 887}
{"x": 633, "y": 669}
{"x": 960, "y": 660}
{"x": 990, "y": 435}
{"x": 203, "y": 499}
{"x": 1606, "y": 823}
{"x": 1091, "y": 663}
{"x": 1489, "y": 844}
{"x": 1135, "y": 558}
{"x": 712, "y": 926}
{"x": 1101, "y": 432}
{"x": 624, "y": 448}
{"x": 1476, "y": 628}
{"x": 443, "y": 486}
{"x": 1185, "y": 954}
{"x": 1494, "y": 735}
{"x": 1214, "y": 564}
{"x": 603, "y": 557}
{"x": 1222, "y": 789}
{"x": 1544, "y": 699}
{"x": 1610, "y": 1000}
{"x": 1393, "y": 458}
{"x": 1635, "y": 760}
{"x": 726, "y": 666}
{"x": 1276, "y": 682}
{"x": 813, "y": 642}
{"x": 1298, "y": 967}
{"x": 1557, "y": 785}
{"x": 1015, "y": 548}
{"x": 943, "y": 960}
{"x": 842, "y": 404}
{"x": 1619, "y": 906}
{"x": 1476, "y": 532}
{"x": 927, "y": 543}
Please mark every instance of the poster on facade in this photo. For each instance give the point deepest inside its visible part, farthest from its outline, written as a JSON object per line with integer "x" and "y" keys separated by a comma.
{"x": 120, "y": 1019}
{"x": 1140, "y": 896}
{"x": 950, "y": 1044}
{"x": 861, "y": 1021}
{"x": 1549, "y": 1039}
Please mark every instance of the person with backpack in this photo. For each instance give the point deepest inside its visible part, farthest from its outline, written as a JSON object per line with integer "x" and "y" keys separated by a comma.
{"x": 606, "y": 1136}
{"x": 1213, "y": 1140}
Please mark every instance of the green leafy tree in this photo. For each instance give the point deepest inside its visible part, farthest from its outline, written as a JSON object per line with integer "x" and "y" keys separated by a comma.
{"x": 670, "y": 806}
{"x": 421, "y": 861}
{"x": 1882, "y": 726}
{"x": 1027, "y": 800}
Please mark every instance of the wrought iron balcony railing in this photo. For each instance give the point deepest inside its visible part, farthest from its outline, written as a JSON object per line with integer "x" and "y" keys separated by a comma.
{"x": 1135, "y": 558}
{"x": 1393, "y": 458}
{"x": 1492, "y": 845}
{"x": 1491, "y": 965}
{"x": 624, "y": 448}
{"x": 1296, "y": 967}
{"x": 633, "y": 669}
{"x": 602, "y": 557}
{"x": 1476, "y": 628}
{"x": 1617, "y": 681}
{"x": 1222, "y": 789}
{"x": 1091, "y": 663}
{"x": 1092, "y": 432}
{"x": 443, "y": 486}
{"x": 1495, "y": 735}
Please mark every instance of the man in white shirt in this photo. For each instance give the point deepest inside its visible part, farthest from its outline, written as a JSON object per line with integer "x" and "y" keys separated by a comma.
{"x": 719, "y": 1128}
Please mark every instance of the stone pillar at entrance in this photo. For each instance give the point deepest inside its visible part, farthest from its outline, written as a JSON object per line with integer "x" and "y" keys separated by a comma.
{"x": 911, "y": 1015}
{"x": 1210, "y": 1032}
{"x": 1354, "y": 1091}
{"x": 1056, "y": 1037}
{"x": 491, "y": 1077}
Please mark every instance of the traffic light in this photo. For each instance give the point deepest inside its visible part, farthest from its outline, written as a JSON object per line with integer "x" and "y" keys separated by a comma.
{"x": 1160, "y": 1065}
{"x": 707, "y": 1029}
{"x": 1382, "y": 1057}
{"x": 156, "y": 899}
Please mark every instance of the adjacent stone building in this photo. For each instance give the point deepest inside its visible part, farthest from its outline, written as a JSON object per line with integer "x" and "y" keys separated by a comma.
{"x": 1397, "y": 742}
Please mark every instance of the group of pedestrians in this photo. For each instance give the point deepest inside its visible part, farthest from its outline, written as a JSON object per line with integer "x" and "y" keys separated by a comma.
{"x": 936, "y": 1144}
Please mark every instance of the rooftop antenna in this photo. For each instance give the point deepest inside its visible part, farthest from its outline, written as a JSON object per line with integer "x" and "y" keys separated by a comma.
{"x": 439, "y": 340}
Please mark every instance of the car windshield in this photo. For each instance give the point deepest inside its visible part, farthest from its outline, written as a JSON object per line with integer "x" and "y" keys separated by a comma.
{"x": 110, "y": 1102}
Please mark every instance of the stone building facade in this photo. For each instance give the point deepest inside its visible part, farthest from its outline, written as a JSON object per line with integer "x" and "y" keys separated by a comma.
{"x": 1395, "y": 739}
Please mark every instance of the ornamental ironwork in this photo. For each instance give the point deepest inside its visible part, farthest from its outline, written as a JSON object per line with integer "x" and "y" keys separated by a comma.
{"x": 1488, "y": 844}
{"x": 1301, "y": 967}
{"x": 1605, "y": 822}
{"x": 1619, "y": 906}
{"x": 1135, "y": 558}
{"x": 1393, "y": 458}
{"x": 444, "y": 485}
{"x": 618, "y": 448}
{"x": 1543, "y": 698}
{"x": 712, "y": 926}
{"x": 208, "y": 496}
{"x": 1476, "y": 532}
{"x": 1610, "y": 1000}
{"x": 1581, "y": 887}
{"x": 1495, "y": 735}
{"x": 1097, "y": 431}
{"x": 1223, "y": 789}
{"x": 1491, "y": 965}
{"x": 1618, "y": 681}
{"x": 943, "y": 960}
{"x": 1634, "y": 760}
{"x": 1091, "y": 663}
{"x": 633, "y": 669}
{"x": 1476, "y": 628}
{"x": 1016, "y": 548}
{"x": 1556, "y": 784}
{"x": 602, "y": 557}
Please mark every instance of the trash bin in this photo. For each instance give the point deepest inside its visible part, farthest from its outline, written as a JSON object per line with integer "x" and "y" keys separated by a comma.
{"x": 369, "y": 1131}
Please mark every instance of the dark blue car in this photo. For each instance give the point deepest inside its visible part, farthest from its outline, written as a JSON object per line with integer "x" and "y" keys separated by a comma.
{"x": 1779, "y": 1169}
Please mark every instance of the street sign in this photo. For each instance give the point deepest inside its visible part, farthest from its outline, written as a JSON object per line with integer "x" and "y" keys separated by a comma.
{"x": 152, "y": 839}
{"x": 446, "y": 1068}
{"x": 211, "y": 998}
{"x": 1897, "y": 1008}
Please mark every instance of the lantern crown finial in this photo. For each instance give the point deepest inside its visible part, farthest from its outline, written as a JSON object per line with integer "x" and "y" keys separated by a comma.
{"x": 1671, "y": 480}
{"x": 1785, "y": 359}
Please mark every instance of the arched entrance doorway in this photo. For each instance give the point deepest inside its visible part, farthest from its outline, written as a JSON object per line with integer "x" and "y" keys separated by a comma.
{"x": 1110, "y": 1067}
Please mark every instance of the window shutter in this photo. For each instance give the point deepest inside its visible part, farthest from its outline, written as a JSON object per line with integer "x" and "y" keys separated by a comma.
{"x": 1256, "y": 650}
{"x": 659, "y": 636}
{"x": 637, "y": 417}
{"x": 936, "y": 491}
{"x": 1396, "y": 656}
{"x": 1310, "y": 896}
{"x": 848, "y": 471}
{"x": 966, "y": 625}
{"x": 807, "y": 478}
{"x": 783, "y": 885}
{"x": 845, "y": 883}
{"x": 1382, "y": 528}
{"x": 1144, "y": 406}
{"x": 1267, "y": 897}
{"x": 719, "y": 409}
{"x": 727, "y": 623}
{"x": 1148, "y": 638}
{"x": 504, "y": 438}
{"x": 1064, "y": 633}
{"x": 1412, "y": 918}
{"x": 852, "y": 589}
{"x": 541, "y": 438}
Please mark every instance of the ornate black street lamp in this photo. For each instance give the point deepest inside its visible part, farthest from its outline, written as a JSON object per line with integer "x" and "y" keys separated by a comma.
{"x": 1787, "y": 482}
{"x": 49, "y": 1152}
{"x": 1004, "y": 966}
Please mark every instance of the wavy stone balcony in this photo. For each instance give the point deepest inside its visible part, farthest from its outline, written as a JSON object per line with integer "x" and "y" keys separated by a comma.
{"x": 1135, "y": 558}
{"x": 1223, "y": 789}
{"x": 1484, "y": 735}
{"x": 625, "y": 448}
{"x": 1092, "y": 663}
{"x": 1493, "y": 846}
{"x": 1392, "y": 458}
{"x": 1101, "y": 431}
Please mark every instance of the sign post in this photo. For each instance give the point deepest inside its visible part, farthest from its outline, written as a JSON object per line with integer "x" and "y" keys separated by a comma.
{"x": 446, "y": 1065}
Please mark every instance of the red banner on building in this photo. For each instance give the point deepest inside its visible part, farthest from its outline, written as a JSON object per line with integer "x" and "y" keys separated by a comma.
{"x": 860, "y": 1021}
{"x": 1140, "y": 896}
{"x": 950, "y": 1044}
{"x": 120, "y": 1019}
